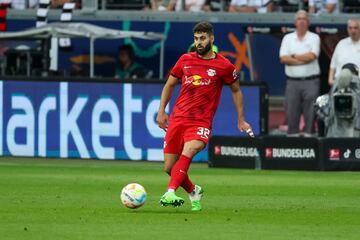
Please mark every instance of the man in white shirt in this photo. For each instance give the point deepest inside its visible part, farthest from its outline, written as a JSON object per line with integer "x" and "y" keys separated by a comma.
{"x": 323, "y": 6}
{"x": 346, "y": 51}
{"x": 190, "y": 5}
{"x": 299, "y": 51}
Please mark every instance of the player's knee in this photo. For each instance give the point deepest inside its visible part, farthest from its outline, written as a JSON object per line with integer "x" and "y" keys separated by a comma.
{"x": 193, "y": 147}
{"x": 192, "y": 150}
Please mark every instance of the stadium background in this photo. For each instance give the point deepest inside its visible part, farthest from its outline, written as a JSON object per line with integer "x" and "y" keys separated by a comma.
{"x": 51, "y": 198}
{"x": 254, "y": 55}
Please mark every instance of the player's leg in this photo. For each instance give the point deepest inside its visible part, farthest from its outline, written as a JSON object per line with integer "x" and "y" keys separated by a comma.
{"x": 170, "y": 198}
{"x": 169, "y": 162}
{"x": 195, "y": 192}
{"x": 181, "y": 167}
{"x": 200, "y": 135}
{"x": 196, "y": 139}
{"x": 179, "y": 173}
{"x": 172, "y": 149}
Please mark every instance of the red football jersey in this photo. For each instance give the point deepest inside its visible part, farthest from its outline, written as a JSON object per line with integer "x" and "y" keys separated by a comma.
{"x": 202, "y": 82}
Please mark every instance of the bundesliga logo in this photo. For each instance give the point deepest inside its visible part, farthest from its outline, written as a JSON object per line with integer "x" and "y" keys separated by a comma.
{"x": 289, "y": 153}
{"x": 334, "y": 154}
{"x": 268, "y": 152}
{"x": 217, "y": 150}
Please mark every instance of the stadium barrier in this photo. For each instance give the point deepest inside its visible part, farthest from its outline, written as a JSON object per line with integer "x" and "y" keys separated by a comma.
{"x": 285, "y": 153}
{"x": 102, "y": 118}
{"x": 234, "y": 152}
{"x": 340, "y": 154}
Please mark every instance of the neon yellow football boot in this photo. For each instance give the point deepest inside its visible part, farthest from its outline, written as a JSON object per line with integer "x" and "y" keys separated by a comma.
{"x": 170, "y": 198}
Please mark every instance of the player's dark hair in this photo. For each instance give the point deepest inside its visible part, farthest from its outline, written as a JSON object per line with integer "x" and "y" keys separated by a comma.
{"x": 128, "y": 49}
{"x": 203, "y": 27}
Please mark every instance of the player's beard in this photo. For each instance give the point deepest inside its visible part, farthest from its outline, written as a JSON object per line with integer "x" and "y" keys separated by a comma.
{"x": 204, "y": 50}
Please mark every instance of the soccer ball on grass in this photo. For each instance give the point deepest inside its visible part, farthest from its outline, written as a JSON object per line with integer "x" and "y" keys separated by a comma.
{"x": 133, "y": 195}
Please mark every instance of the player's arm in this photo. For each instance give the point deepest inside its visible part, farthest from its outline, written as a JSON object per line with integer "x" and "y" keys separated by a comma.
{"x": 335, "y": 61}
{"x": 166, "y": 94}
{"x": 306, "y": 57}
{"x": 286, "y": 53}
{"x": 290, "y": 60}
{"x": 312, "y": 54}
{"x": 238, "y": 102}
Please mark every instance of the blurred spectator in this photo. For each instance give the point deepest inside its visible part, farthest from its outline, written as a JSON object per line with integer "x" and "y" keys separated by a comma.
{"x": 290, "y": 5}
{"x": 127, "y": 67}
{"x": 20, "y": 4}
{"x": 323, "y": 6}
{"x": 346, "y": 51}
{"x": 60, "y": 3}
{"x": 190, "y": 5}
{"x": 216, "y": 5}
{"x": 5, "y": 3}
{"x": 350, "y": 6}
{"x": 162, "y": 5}
{"x": 251, "y": 6}
{"x": 77, "y": 71}
{"x": 128, "y": 4}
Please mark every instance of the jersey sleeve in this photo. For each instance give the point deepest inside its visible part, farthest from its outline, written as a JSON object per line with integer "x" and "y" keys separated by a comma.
{"x": 230, "y": 74}
{"x": 177, "y": 70}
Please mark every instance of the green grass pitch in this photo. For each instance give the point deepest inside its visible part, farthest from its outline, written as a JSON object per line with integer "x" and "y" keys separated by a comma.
{"x": 79, "y": 199}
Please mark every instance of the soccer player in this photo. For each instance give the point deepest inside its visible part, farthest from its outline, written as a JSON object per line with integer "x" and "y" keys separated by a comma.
{"x": 203, "y": 74}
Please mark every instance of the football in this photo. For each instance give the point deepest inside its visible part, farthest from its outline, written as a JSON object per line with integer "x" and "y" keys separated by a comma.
{"x": 133, "y": 195}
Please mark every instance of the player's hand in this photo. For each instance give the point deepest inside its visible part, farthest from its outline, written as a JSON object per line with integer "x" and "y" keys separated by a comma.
{"x": 162, "y": 119}
{"x": 244, "y": 126}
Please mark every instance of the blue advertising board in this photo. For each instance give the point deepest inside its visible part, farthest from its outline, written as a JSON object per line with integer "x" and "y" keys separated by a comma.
{"x": 108, "y": 120}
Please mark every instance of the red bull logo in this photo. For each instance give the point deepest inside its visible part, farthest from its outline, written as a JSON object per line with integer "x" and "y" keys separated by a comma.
{"x": 197, "y": 80}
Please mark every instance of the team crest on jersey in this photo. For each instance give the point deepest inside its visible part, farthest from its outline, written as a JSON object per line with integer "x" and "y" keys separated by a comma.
{"x": 211, "y": 72}
{"x": 197, "y": 80}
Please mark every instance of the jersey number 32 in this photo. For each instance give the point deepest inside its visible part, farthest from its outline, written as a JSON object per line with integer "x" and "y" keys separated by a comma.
{"x": 203, "y": 132}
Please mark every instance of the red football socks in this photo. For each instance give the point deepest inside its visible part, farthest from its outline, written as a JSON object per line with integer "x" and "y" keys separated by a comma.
{"x": 179, "y": 175}
{"x": 187, "y": 185}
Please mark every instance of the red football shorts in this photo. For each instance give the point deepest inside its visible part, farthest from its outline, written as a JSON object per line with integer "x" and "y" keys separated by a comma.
{"x": 179, "y": 133}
